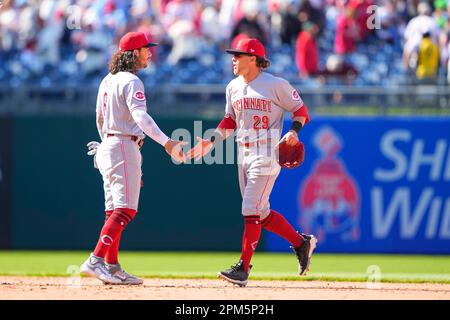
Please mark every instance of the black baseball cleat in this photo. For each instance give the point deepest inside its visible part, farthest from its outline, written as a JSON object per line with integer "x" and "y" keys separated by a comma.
{"x": 304, "y": 252}
{"x": 236, "y": 274}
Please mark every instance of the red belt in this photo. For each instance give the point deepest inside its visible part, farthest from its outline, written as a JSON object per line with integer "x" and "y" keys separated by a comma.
{"x": 134, "y": 138}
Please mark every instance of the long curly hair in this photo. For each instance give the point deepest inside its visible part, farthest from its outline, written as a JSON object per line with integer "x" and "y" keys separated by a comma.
{"x": 123, "y": 62}
{"x": 262, "y": 63}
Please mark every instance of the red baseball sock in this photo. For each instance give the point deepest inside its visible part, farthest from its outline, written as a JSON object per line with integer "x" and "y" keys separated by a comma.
{"x": 252, "y": 232}
{"x": 112, "y": 228}
{"x": 276, "y": 223}
{"x": 112, "y": 255}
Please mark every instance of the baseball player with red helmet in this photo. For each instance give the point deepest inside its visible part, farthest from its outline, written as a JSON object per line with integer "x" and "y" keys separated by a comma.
{"x": 122, "y": 122}
{"x": 255, "y": 104}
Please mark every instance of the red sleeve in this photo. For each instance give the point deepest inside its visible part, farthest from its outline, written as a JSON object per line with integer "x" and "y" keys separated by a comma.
{"x": 227, "y": 123}
{"x": 302, "y": 112}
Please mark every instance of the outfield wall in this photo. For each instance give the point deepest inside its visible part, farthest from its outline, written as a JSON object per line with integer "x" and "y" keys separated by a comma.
{"x": 371, "y": 185}
{"x": 5, "y": 182}
{"x": 367, "y": 185}
{"x": 57, "y": 194}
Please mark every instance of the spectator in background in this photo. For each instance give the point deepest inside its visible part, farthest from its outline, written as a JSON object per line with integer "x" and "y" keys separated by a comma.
{"x": 185, "y": 42}
{"x": 308, "y": 13}
{"x": 249, "y": 24}
{"x": 347, "y": 32}
{"x": 30, "y": 59}
{"x": 428, "y": 61}
{"x": 9, "y": 27}
{"x": 35, "y": 34}
{"x": 307, "y": 58}
{"x": 210, "y": 25}
{"x": 114, "y": 16}
{"x": 416, "y": 27}
{"x": 226, "y": 16}
{"x": 389, "y": 20}
{"x": 289, "y": 24}
{"x": 93, "y": 44}
{"x": 177, "y": 10}
{"x": 141, "y": 9}
{"x": 337, "y": 67}
{"x": 306, "y": 51}
{"x": 50, "y": 35}
{"x": 440, "y": 15}
{"x": 181, "y": 21}
{"x": 361, "y": 15}
{"x": 27, "y": 24}
{"x": 411, "y": 8}
{"x": 443, "y": 43}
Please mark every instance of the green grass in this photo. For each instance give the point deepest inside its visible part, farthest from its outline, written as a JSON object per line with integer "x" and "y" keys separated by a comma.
{"x": 281, "y": 266}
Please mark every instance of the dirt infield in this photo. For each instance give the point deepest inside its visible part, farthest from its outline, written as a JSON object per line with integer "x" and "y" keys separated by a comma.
{"x": 55, "y": 288}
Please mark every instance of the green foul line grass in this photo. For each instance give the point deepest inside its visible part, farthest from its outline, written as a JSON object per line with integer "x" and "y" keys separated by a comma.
{"x": 267, "y": 266}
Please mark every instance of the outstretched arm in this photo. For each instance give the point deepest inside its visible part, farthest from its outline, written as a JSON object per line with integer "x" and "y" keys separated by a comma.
{"x": 225, "y": 129}
{"x": 149, "y": 126}
{"x": 151, "y": 129}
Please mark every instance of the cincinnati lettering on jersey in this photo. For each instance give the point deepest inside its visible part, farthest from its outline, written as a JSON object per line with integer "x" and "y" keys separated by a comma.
{"x": 253, "y": 104}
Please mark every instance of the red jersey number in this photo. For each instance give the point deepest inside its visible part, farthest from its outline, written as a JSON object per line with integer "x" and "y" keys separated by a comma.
{"x": 105, "y": 98}
{"x": 260, "y": 123}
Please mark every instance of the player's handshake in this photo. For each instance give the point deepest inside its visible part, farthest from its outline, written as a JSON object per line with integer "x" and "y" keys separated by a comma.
{"x": 203, "y": 147}
{"x": 174, "y": 149}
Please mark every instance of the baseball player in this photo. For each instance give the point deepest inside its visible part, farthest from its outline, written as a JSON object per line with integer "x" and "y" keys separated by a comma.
{"x": 122, "y": 120}
{"x": 255, "y": 103}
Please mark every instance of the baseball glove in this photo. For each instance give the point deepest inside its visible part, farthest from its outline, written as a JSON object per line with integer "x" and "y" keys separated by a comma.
{"x": 290, "y": 157}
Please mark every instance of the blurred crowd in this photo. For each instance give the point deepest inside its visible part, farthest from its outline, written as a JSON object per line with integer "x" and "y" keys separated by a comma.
{"x": 322, "y": 38}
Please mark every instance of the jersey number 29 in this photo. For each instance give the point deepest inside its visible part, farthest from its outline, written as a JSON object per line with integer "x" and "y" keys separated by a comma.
{"x": 260, "y": 123}
{"x": 105, "y": 98}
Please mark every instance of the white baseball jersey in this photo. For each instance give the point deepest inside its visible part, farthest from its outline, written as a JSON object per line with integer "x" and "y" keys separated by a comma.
{"x": 118, "y": 96}
{"x": 258, "y": 106}
{"x": 118, "y": 157}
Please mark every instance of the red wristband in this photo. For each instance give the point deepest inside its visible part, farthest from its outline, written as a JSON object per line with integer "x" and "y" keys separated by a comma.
{"x": 227, "y": 123}
{"x": 302, "y": 112}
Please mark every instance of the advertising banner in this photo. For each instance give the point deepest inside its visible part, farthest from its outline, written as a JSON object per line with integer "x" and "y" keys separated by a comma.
{"x": 375, "y": 185}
